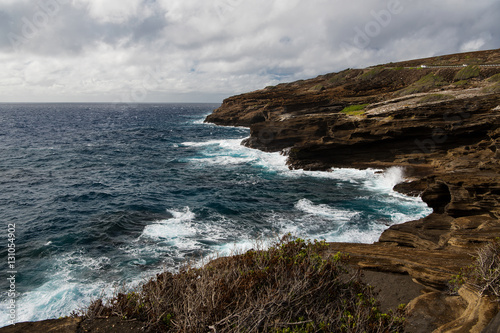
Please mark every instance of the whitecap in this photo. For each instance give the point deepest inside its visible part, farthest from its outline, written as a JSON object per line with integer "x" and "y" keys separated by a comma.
{"x": 178, "y": 226}
{"x": 61, "y": 294}
{"x": 386, "y": 180}
{"x": 336, "y": 215}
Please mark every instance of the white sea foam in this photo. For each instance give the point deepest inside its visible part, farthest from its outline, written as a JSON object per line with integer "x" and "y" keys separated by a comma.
{"x": 183, "y": 232}
{"x": 315, "y": 217}
{"x": 354, "y": 235}
{"x": 201, "y": 121}
{"x": 386, "y": 180}
{"x": 63, "y": 292}
{"x": 177, "y": 226}
{"x": 233, "y": 248}
{"x": 336, "y": 215}
{"x": 208, "y": 143}
{"x": 344, "y": 174}
{"x": 231, "y": 152}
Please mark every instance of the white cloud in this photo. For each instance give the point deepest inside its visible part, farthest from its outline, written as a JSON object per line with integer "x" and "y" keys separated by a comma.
{"x": 114, "y": 11}
{"x": 104, "y": 50}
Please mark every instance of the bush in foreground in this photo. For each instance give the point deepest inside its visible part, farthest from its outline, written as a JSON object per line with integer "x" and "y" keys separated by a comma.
{"x": 484, "y": 273}
{"x": 287, "y": 288}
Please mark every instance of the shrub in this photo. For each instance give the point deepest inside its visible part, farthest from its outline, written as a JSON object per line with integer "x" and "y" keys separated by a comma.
{"x": 354, "y": 110}
{"x": 466, "y": 73}
{"x": 287, "y": 288}
{"x": 484, "y": 273}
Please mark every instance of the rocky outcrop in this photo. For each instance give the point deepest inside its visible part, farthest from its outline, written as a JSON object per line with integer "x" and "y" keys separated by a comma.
{"x": 442, "y": 125}
{"x": 66, "y": 325}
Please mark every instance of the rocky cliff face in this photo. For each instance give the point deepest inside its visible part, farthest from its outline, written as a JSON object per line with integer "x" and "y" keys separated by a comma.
{"x": 442, "y": 124}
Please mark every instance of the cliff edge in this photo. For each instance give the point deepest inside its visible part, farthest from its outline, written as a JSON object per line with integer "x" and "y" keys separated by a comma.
{"x": 438, "y": 118}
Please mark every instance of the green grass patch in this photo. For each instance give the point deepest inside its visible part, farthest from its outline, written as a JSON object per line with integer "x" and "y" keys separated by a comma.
{"x": 461, "y": 83}
{"x": 435, "y": 98}
{"x": 426, "y": 83}
{"x": 468, "y": 72}
{"x": 290, "y": 287}
{"x": 354, "y": 110}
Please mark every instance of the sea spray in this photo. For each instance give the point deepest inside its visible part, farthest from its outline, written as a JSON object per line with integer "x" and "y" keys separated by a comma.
{"x": 156, "y": 187}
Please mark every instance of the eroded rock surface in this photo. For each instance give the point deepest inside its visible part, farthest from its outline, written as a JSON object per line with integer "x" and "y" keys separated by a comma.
{"x": 441, "y": 126}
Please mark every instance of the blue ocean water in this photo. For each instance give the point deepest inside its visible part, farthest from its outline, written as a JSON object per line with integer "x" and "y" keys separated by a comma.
{"x": 105, "y": 196}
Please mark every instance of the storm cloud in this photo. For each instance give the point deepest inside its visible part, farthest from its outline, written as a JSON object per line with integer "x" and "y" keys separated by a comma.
{"x": 193, "y": 50}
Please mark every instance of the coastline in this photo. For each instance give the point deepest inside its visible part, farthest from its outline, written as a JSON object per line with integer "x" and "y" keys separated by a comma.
{"x": 444, "y": 135}
{"x": 453, "y": 166}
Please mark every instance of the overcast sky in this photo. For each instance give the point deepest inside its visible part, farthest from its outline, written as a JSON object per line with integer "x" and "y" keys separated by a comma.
{"x": 206, "y": 50}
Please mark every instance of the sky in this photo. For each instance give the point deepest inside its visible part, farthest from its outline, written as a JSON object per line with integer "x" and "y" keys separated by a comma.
{"x": 141, "y": 51}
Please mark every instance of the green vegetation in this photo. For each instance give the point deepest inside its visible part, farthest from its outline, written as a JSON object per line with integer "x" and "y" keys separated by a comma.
{"x": 343, "y": 76}
{"x": 318, "y": 87}
{"x": 435, "y": 98}
{"x": 461, "y": 83}
{"x": 466, "y": 73}
{"x": 494, "y": 78}
{"x": 288, "y": 288}
{"x": 426, "y": 83}
{"x": 492, "y": 89}
{"x": 354, "y": 110}
{"x": 484, "y": 273}
{"x": 371, "y": 73}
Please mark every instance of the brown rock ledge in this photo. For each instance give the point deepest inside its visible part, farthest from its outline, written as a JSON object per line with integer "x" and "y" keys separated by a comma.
{"x": 444, "y": 130}
{"x": 440, "y": 125}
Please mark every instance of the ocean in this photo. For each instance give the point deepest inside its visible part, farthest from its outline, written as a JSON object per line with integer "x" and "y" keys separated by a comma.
{"x": 105, "y": 196}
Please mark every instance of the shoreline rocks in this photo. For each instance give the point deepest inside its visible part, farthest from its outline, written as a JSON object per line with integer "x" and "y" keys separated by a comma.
{"x": 438, "y": 124}
{"x": 445, "y": 135}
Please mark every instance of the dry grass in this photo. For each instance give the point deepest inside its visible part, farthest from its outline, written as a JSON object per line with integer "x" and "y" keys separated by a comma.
{"x": 492, "y": 89}
{"x": 484, "y": 273}
{"x": 287, "y": 288}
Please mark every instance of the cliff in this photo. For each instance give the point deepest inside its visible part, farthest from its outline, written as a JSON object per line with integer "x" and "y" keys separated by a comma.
{"x": 434, "y": 117}
{"x": 438, "y": 118}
